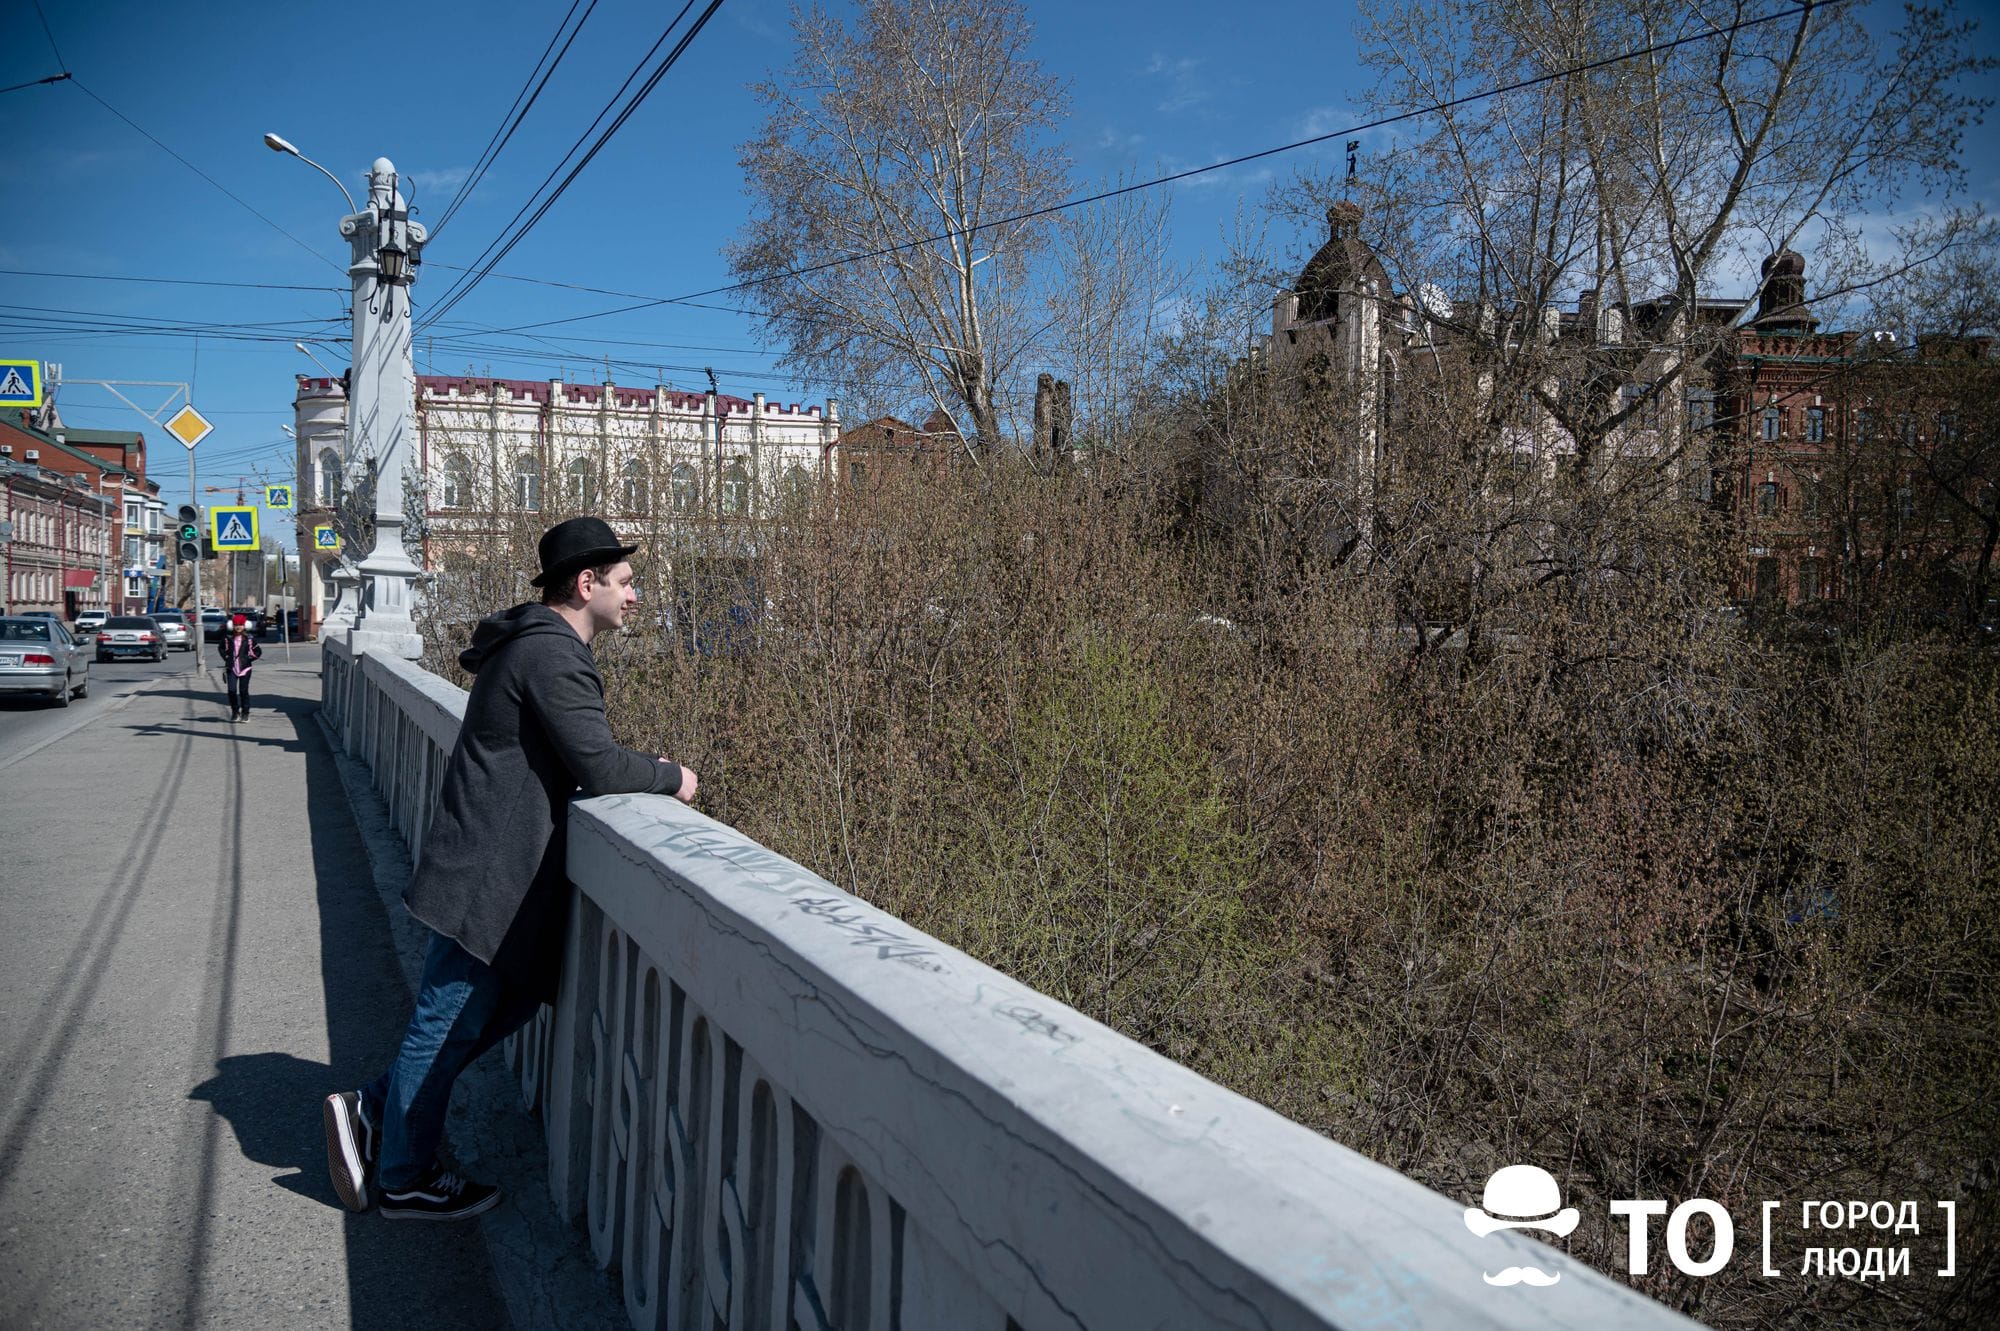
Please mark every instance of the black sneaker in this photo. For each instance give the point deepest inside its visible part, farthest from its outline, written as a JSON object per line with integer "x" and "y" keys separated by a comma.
{"x": 350, "y": 1148}
{"x": 439, "y": 1195}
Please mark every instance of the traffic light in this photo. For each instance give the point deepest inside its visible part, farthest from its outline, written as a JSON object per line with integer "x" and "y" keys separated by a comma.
{"x": 187, "y": 534}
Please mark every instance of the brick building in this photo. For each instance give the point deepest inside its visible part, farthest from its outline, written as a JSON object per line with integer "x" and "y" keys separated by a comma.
{"x": 60, "y": 525}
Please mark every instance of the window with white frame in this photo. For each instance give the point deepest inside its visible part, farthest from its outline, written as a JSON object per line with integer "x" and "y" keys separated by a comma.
{"x": 580, "y": 482}
{"x": 637, "y": 496}
{"x": 686, "y": 487}
{"x": 528, "y": 482}
{"x": 735, "y": 491}
{"x": 455, "y": 491}
{"x": 327, "y": 490}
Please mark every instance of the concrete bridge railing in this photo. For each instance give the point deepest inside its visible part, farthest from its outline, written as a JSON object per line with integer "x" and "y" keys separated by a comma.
{"x": 769, "y": 1104}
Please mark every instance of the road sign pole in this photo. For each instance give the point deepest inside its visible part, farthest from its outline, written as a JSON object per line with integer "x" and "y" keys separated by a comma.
{"x": 200, "y": 659}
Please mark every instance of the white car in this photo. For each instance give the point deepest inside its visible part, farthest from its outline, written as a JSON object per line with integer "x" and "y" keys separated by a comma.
{"x": 39, "y": 656}
{"x": 174, "y": 630}
{"x": 90, "y": 621}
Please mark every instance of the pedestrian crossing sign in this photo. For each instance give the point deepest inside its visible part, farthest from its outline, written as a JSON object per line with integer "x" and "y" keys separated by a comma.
{"x": 325, "y": 538}
{"x": 233, "y": 528}
{"x": 20, "y": 383}
{"x": 277, "y": 496}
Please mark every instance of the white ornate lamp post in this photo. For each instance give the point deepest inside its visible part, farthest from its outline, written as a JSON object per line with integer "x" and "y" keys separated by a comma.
{"x": 385, "y": 245}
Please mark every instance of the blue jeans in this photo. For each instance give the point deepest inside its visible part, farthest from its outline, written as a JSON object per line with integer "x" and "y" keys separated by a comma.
{"x": 464, "y": 1008}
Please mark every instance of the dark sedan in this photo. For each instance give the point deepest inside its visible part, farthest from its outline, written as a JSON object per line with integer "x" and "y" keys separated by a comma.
{"x": 131, "y": 635}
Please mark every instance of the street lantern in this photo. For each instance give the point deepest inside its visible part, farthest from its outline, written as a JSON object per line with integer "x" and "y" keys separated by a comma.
{"x": 393, "y": 259}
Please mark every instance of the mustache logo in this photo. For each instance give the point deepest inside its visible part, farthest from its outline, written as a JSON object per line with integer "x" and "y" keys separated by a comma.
{"x": 1521, "y": 1275}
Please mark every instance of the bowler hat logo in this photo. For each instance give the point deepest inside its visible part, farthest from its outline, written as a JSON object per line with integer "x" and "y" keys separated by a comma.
{"x": 1521, "y": 1197}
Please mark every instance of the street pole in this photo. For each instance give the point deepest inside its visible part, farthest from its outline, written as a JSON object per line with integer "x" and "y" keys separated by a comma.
{"x": 194, "y": 571}
{"x": 386, "y": 245}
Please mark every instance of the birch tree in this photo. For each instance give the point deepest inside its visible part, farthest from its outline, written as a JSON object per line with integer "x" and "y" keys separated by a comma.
{"x": 922, "y": 119}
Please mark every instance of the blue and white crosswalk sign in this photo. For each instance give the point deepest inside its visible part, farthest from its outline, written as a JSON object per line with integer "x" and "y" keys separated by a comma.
{"x": 277, "y": 496}
{"x": 325, "y": 538}
{"x": 20, "y": 383}
{"x": 233, "y": 527}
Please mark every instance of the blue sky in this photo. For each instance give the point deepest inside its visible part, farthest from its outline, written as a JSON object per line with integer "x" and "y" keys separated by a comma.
{"x": 1154, "y": 87}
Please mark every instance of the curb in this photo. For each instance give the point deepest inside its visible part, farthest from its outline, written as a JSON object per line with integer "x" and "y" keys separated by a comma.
{"x": 107, "y": 710}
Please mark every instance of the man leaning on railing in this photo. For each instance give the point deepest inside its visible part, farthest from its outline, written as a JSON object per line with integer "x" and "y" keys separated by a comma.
{"x": 491, "y": 885}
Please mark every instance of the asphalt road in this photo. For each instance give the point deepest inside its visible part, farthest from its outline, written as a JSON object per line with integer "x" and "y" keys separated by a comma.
{"x": 31, "y": 724}
{"x": 193, "y": 952}
{"x": 28, "y": 723}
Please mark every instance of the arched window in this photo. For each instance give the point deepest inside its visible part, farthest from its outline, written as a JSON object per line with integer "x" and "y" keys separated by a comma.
{"x": 735, "y": 491}
{"x": 687, "y": 488}
{"x": 455, "y": 489}
{"x": 798, "y": 489}
{"x": 328, "y": 488}
{"x": 637, "y": 496}
{"x": 580, "y": 483}
{"x": 528, "y": 482}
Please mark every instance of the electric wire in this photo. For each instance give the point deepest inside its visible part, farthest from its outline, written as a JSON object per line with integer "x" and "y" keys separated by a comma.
{"x": 505, "y": 132}
{"x": 36, "y": 83}
{"x": 50, "y": 34}
{"x": 1383, "y": 122}
{"x": 465, "y": 282}
{"x": 205, "y": 176}
{"x": 466, "y": 286}
{"x": 168, "y": 281}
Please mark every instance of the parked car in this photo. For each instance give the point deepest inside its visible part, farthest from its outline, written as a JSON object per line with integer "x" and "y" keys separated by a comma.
{"x": 213, "y": 622}
{"x": 40, "y": 656}
{"x": 131, "y": 635}
{"x": 174, "y": 629}
{"x": 90, "y": 621}
{"x": 251, "y": 614}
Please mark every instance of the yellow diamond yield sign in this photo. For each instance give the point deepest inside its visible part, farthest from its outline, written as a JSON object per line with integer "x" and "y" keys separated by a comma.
{"x": 188, "y": 425}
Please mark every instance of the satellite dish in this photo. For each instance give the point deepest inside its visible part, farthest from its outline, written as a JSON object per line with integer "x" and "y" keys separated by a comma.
{"x": 1436, "y": 304}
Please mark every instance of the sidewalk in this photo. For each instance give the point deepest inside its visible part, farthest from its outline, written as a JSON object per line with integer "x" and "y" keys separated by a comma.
{"x": 199, "y": 939}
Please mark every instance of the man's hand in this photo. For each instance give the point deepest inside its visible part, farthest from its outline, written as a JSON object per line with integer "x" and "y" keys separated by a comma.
{"x": 688, "y": 783}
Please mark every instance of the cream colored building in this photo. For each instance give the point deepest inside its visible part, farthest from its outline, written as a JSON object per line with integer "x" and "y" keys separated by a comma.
{"x": 502, "y": 459}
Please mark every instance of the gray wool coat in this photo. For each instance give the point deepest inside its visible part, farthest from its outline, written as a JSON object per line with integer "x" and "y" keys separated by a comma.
{"x": 492, "y": 869}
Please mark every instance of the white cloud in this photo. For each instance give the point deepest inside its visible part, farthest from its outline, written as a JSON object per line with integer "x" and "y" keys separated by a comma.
{"x": 443, "y": 180}
{"x": 1186, "y": 86}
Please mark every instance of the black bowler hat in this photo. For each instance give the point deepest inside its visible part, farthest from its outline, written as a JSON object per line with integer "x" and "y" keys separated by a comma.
{"x": 578, "y": 544}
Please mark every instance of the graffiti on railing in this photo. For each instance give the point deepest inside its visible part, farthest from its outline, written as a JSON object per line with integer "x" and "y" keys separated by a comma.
{"x": 718, "y": 1198}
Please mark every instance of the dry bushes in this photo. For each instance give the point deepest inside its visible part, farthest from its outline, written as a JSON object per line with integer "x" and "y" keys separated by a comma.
{"x": 1591, "y": 879}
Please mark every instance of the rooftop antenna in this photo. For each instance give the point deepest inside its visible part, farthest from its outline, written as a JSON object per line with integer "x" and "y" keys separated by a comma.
{"x": 710, "y": 372}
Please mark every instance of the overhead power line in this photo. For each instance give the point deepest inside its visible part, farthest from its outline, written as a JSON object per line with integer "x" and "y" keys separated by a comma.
{"x": 36, "y": 83}
{"x": 531, "y": 91}
{"x": 50, "y": 34}
{"x": 205, "y": 176}
{"x": 1520, "y": 85}
{"x": 498, "y": 250}
{"x": 168, "y": 281}
{"x": 578, "y": 286}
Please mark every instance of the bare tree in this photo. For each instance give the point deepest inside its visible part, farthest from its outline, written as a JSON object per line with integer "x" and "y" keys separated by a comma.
{"x": 926, "y": 118}
{"x": 1640, "y": 183}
